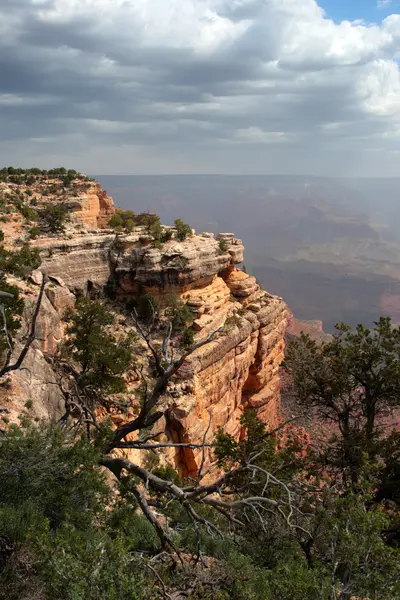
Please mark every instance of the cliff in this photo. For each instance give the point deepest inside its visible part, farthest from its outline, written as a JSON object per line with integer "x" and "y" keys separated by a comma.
{"x": 92, "y": 205}
{"x": 237, "y": 370}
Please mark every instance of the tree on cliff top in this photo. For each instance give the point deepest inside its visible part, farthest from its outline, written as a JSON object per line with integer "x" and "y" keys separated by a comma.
{"x": 182, "y": 230}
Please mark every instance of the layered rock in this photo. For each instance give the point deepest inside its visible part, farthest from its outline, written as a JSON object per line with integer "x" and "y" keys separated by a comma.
{"x": 77, "y": 260}
{"x": 35, "y": 385}
{"x": 93, "y": 206}
{"x": 176, "y": 266}
{"x": 238, "y": 370}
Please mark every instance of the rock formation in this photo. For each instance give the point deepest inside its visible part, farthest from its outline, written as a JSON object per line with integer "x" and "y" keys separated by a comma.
{"x": 93, "y": 206}
{"x": 239, "y": 369}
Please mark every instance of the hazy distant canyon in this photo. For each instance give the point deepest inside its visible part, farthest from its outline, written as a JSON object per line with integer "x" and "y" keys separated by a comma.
{"x": 330, "y": 247}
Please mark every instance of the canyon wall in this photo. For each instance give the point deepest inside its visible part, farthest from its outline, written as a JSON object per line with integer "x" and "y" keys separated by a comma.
{"x": 238, "y": 369}
{"x": 93, "y": 206}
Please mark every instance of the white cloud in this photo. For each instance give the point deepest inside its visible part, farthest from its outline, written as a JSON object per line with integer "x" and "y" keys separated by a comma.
{"x": 188, "y": 75}
{"x": 384, "y": 3}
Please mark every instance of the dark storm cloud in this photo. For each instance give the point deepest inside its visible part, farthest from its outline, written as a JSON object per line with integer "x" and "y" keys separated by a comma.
{"x": 242, "y": 75}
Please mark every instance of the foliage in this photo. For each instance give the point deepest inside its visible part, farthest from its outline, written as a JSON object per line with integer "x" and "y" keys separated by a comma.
{"x": 146, "y": 307}
{"x": 182, "y": 230}
{"x": 29, "y": 213}
{"x": 102, "y": 357}
{"x": 116, "y": 221}
{"x": 127, "y": 220}
{"x": 166, "y": 235}
{"x": 223, "y": 246}
{"x": 20, "y": 262}
{"x": 178, "y": 314}
{"x": 63, "y": 543}
{"x": 13, "y": 309}
{"x": 187, "y": 337}
{"x": 34, "y": 232}
{"x": 53, "y": 217}
{"x": 351, "y": 381}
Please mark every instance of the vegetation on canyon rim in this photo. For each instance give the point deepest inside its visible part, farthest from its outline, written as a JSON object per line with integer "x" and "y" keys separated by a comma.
{"x": 280, "y": 519}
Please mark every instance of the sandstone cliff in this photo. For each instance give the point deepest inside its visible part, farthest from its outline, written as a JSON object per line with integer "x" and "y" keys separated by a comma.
{"x": 237, "y": 370}
{"x": 92, "y": 205}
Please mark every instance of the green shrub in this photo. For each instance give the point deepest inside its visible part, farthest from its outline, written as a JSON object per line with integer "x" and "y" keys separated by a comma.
{"x": 188, "y": 338}
{"x": 13, "y": 309}
{"x": 21, "y": 262}
{"x": 29, "y": 213}
{"x": 129, "y": 225}
{"x": 178, "y": 313}
{"x": 116, "y": 221}
{"x": 166, "y": 235}
{"x": 146, "y": 307}
{"x": 102, "y": 357}
{"x": 53, "y": 217}
{"x": 223, "y": 246}
{"x": 34, "y": 232}
{"x": 182, "y": 230}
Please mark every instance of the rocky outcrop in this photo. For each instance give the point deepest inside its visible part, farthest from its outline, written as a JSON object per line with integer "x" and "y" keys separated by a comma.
{"x": 174, "y": 267}
{"x": 314, "y": 329}
{"x": 93, "y": 206}
{"x": 239, "y": 370}
{"x": 34, "y": 386}
{"x": 77, "y": 260}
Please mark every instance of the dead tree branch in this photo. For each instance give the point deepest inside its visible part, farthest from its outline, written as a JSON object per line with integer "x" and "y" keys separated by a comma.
{"x": 7, "y": 367}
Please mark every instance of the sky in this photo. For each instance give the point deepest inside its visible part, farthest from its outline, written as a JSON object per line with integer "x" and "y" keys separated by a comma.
{"x": 201, "y": 86}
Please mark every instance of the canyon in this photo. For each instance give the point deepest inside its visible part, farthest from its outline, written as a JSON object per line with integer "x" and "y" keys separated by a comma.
{"x": 238, "y": 369}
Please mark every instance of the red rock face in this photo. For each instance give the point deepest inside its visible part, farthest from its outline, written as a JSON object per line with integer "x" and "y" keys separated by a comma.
{"x": 312, "y": 328}
{"x": 94, "y": 207}
{"x": 237, "y": 371}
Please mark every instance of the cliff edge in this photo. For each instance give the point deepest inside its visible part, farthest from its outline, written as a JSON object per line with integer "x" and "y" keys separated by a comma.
{"x": 237, "y": 370}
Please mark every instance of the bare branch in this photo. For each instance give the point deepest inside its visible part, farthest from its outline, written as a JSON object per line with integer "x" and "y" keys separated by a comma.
{"x": 203, "y": 455}
{"x": 145, "y": 418}
{"x": 164, "y": 537}
{"x": 144, "y": 446}
{"x": 30, "y": 339}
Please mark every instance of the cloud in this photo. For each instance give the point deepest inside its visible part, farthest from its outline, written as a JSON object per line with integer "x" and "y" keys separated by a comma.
{"x": 384, "y": 3}
{"x": 196, "y": 86}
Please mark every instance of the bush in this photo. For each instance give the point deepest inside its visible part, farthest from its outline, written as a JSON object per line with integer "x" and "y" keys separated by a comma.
{"x": 182, "y": 230}
{"x": 53, "y": 218}
{"x": 179, "y": 314}
{"x": 19, "y": 263}
{"x": 13, "y": 309}
{"x": 146, "y": 307}
{"x": 29, "y": 213}
{"x": 57, "y": 522}
{"x": 188, "y": 338}
{"x": 102, "y": 357}
{"x": 166, "y": 235}
{"x": 116, "y": 221}
{"x": 223, "y": 246}
{"x": 34, "y": 232}
{"x": 129, "y": 225}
